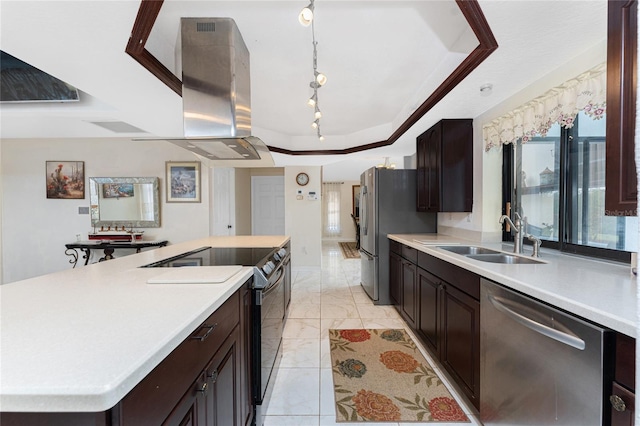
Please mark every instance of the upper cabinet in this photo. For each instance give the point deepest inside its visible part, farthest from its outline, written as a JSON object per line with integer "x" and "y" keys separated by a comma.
{"x": 621, "y": 190}
{"x": 445, "y": 167}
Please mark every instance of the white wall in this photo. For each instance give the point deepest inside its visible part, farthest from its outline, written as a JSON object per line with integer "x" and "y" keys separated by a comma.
{"x": 303, "y": 218}
{"x": 36, "y": 228}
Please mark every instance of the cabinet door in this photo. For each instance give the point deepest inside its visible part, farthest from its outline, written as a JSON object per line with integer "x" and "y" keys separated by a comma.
{"x": 409, "y": 293}
{"x": 621, "y": 191}
{"x": 224, "y": 385}
{"x": 428, "y": 168}
{"x": 623, "y": 406}
{"x": 460, "y": 352}
{"x": 190, "y": 411}
{"x": 395, "y": 279}
{"x": 429, "y": 322}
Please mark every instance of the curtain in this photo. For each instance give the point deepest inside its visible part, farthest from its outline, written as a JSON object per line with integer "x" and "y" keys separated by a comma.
{"x": 332, "y": 192}
{"x": 586, "y": 92}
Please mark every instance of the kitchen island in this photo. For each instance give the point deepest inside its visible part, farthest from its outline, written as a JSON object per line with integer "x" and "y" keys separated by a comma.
{"x": 79, "y": 341}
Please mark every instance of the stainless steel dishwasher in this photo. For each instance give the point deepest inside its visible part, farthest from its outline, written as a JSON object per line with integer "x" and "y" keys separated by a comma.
{"x": 539, "y": 366}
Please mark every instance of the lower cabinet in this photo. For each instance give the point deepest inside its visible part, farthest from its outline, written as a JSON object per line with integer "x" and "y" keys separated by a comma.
{"x": 440, "y": 302}
{"x": 429, "y": 321}
{"x": 460, "y": 352}
{"x": 622, "y": 396}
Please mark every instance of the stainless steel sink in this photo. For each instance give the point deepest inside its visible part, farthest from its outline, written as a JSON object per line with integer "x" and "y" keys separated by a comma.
{"x": 503, "y": 258}
{"x": 467, "y": 250}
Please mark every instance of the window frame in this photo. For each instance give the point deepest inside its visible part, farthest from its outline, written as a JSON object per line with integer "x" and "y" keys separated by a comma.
{"x": 568, "y": 176}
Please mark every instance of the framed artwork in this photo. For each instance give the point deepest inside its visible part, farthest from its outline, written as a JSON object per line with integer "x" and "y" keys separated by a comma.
{"x": 117, "y": 190}
{"x": 65, "y": 179}
{"x": 183, "y": 182}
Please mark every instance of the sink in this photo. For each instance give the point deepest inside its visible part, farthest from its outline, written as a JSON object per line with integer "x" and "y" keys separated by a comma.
{"x": 467, "y": 250}
{"x": 497, "y": 257}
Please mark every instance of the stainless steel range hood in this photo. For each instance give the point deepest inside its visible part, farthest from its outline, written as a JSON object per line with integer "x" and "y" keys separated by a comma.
{"x": 216, "y": 94}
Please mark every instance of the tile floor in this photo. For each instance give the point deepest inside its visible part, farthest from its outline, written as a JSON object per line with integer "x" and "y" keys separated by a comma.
{"x": 330, "y": 298}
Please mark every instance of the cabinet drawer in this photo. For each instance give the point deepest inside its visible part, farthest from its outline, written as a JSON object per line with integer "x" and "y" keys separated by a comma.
{"x": 152, "y": 400}
{"x": 410, "y": 254}
{"x": 395, "y": 247}
{"x": 458, "y": 277}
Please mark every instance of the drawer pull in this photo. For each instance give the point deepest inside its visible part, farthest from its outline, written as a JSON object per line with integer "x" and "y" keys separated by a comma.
{"x": 203, "y": 388}
{"x": 617, "y": 403}
{"x": 213, "y": 376}
{"x": 209, "y": 329}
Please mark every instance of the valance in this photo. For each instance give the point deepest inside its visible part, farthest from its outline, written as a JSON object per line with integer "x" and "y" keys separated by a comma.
{"x": 586, "y": 92}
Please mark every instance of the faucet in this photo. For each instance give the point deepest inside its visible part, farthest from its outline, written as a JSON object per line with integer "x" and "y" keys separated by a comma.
{"x": 516, "y": 229}
{"x": 536, "y": 245}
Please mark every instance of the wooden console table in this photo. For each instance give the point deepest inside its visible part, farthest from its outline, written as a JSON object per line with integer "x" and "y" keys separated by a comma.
{"x": 107, "y": 246}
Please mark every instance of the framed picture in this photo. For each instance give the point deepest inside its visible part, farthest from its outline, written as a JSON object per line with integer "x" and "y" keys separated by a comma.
{"x": 183, "y": 182}
{"x": 117, "y": 190}
{"x": 65, "y": 179}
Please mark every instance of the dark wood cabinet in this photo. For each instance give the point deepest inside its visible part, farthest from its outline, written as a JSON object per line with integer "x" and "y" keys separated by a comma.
{"x": 403, "y": 281}
{"x": 445, "y": 167}
{"x": 440, "y": 302}
{"x": 190, "y": 411}
{"x": 622, "y": 396}
{"x": 430, "y": 289}
{"x": 460, "y": 352}
{"x": 621, "y": 191}
{"x": 409, "y": 292}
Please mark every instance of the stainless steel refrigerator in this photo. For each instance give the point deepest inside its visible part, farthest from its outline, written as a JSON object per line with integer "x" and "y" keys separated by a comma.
{"x": 387, "y": 206}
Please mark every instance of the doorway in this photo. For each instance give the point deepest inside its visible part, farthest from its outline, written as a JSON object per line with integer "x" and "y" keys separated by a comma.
{"x": 267, "y": 205}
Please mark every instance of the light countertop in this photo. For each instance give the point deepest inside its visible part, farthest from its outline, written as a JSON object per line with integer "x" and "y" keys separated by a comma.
{"x": 80, "y": 340}
{"x": 603, "y": 292}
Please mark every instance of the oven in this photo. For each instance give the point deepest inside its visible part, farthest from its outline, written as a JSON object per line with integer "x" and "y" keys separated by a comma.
{"x": 270, "y": 293}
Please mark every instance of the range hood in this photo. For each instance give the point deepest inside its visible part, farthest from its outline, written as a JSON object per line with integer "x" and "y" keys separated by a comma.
{"x": 216, "y": 94}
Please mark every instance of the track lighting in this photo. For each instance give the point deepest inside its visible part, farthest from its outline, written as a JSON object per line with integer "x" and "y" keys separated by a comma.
{"x": 306, "y": 18}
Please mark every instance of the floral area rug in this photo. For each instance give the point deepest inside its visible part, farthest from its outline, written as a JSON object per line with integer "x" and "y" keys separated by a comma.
{"x": 349, "y": 250}
{"x": 381, "y": 376}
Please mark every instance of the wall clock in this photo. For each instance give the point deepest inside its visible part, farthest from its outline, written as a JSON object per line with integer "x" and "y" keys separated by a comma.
{"x": 302, "y": 179}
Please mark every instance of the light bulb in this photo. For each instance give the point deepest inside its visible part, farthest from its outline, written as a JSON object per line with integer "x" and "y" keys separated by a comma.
{"x": 321, "y": 78}
{"x": 321, "y": 138}
{"x": 318, "y": 114}
{"x": 312, "y": 100}
{"x": 314, "y": 125}
{"x": 306, "y": 15}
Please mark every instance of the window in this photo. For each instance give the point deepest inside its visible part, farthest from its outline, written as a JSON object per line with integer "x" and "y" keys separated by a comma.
{"x": 331, "y": 208}
{"x": 557, "y": 182}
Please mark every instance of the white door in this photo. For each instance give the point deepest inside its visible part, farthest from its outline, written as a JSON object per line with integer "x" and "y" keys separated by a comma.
{"x": 267, "y": 205}
{"x": 222, "y": 220}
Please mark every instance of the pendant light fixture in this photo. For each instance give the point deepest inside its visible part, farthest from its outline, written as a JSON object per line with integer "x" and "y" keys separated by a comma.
{"x": 306, "y": 18}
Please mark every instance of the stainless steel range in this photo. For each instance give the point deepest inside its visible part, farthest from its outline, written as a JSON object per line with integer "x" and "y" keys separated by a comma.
{"x": 271, "y": 293}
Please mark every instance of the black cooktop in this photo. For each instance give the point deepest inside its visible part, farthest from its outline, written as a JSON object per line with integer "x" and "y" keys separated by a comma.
{"x": 216, "y": 256}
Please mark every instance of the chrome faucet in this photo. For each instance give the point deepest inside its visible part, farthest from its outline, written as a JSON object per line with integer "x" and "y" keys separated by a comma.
{"x": 536, "y": 245}
{"x": 516, "y": 229}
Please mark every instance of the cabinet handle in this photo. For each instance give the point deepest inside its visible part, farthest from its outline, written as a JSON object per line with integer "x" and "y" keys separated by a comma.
{"x": 213, "y": 376}
{"x": 203, "y": 388}
{"x": 617, "y": 403}
{"x": 209, "y": 329}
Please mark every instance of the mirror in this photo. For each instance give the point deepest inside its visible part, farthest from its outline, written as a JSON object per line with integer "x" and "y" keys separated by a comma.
{"x": 131, "y": 202}
{"x": 355, "y": 195}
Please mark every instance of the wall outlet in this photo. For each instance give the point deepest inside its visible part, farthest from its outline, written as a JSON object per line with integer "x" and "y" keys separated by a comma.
{"x": 83, "y": 210}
